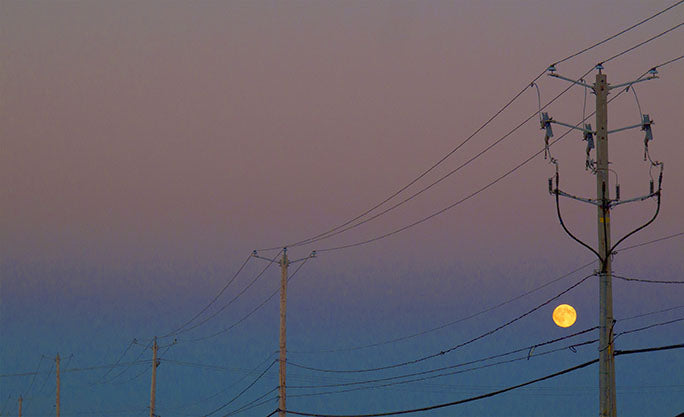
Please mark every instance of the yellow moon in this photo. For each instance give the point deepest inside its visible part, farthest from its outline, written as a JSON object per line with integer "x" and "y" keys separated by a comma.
{"x": 564, "y": 315}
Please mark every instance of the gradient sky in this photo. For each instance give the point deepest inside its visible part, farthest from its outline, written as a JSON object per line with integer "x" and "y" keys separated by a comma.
{"x": 149, "y": 147}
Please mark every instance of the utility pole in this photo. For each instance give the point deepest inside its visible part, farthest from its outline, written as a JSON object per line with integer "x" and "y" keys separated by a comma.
{"x": 153, "y": 387}
{"x": 603, "y": 202}
{"x": 607, "y": 403}
{"x": 284, "y": 263}
{"x": 57, "y": 390}
{"x": 21, "y": 400}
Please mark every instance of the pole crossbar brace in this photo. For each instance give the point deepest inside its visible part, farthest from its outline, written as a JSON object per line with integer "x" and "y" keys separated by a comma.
{"x": 578, "y": 82}
{"x": 585, "y": 130}
{"x": 629, "y": 84}
{"x": 625, "y": 128}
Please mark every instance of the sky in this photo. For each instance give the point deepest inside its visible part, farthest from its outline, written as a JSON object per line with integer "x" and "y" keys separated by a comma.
{"x": 149, "y": 147}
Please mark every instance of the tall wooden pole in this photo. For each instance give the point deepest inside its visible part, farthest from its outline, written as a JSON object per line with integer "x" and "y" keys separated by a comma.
{"x": 153, "y": 387}
{"x": 21, "y": 400}
{"x": 57, "y": 359}
{"x": 284, "y": 263}
{"x": 607, "y": 404}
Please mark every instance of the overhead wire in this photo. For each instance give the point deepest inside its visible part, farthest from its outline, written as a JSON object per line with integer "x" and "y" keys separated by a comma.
{"x": 672, "y": 236}
{"x": 530, "y": 349}
{"x": 246, "y": 316}
{"x": 230, "y": 281}
{"x": 498, "y": 179}
{"x": 253, "y": 404}
{"x": 643, "y": 43}
{"x": 119, "y": 359}
{"x": 217, "y": 312}
{"x": 448, "y": 324}
{"x": 451, "y": 373}
{"x": 137, "y": 358}
{"x": 229, "y": 402}
{"x": 486, "y": 310}
{"x": 443, "y": 368}
{"x": 203, "y": 400}
{"x": 649, "y": 281}
{"x": 451, "y": 349}
{"x": 651, "y": 313}
{"x": 490, "y": 394}
{"x": 334, "y": 230}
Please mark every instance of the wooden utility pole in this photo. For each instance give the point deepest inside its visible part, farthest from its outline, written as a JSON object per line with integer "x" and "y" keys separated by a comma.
{"x": 21, "y": 400}
{"x": 284, "y": 263}
{"x": 607, "y": 404}
{"x": 153, "y": 387}
{"x": 601, "y": 168}
{"x": 57, "y": 390}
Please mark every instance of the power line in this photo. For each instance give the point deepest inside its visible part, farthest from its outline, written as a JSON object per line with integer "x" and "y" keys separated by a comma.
{"x": 643, "y": 43}
{"x": 253, "y": 404}
{"x": 137, "y": 358}
{"x": 230, "y": 281}
{"x": 530, "y": 349}
{"x": 229, "y": 402}
{"x": 655, "y": 240}
{"x": 118, "y": 360}
{"x": 493, "y": 393}
{"x": 335, "y": 230}
{"x": 475, "y": 368}
{"x": 665, "y": 323}
{"x": 443, "y": 352}
{"x": 651, "y": 313}
{"x": 650, "y": 281}
{"x": 461, "y": 364}
{"x": 620, "y": 33}
{"x": 231, "y": 385}
{"x": 254, "y": 310}
{"x": 490, "y": 184}
{"x": 451, "y": 323}
{"x": 433, "y": 407}
{"x": 251, "y": 283}
{"x": 486, "y": 310}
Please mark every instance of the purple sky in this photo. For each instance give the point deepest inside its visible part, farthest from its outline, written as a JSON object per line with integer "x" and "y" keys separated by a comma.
{"x": 149, "y": 147}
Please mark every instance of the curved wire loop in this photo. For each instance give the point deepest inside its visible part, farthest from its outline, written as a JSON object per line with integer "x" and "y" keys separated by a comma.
{"x": 560, "y": 218}
{"x": 604, "y": 208}
{"x": 657, "y": 194}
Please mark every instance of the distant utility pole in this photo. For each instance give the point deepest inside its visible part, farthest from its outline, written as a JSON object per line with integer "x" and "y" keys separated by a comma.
{"x": 153, "y": 386}
{"x": 600, "y": 167}
{"x": 284, "y": 263}
{"x": 57, "y": 390}
{"x": 282, "y": 359}
{"x": 21, "y": 400}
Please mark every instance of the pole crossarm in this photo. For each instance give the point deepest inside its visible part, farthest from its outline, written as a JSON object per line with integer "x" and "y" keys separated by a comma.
{"x": 625, "y": 128}
{"x": 629, "y": 84}
{"x": 255, "y": 255}
{"x": 578, "y": 82}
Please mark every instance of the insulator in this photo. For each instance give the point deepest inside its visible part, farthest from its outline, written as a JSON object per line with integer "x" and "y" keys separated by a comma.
{"x": 651, "y": 187}
{"x": 617, "y": 192}
{"x": 550, "y": 185}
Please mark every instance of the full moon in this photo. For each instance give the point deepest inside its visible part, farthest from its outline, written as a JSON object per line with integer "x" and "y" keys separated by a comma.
{"x": 564, "y": 315}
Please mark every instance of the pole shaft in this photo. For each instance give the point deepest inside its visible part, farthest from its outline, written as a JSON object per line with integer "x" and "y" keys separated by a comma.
{"x": 153, "y": 386}
{"x": 21, "y": 400}
{"x": 607, "y": 405}
{"x": 57, "y": 360}
{"x": 284, "y": 263}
